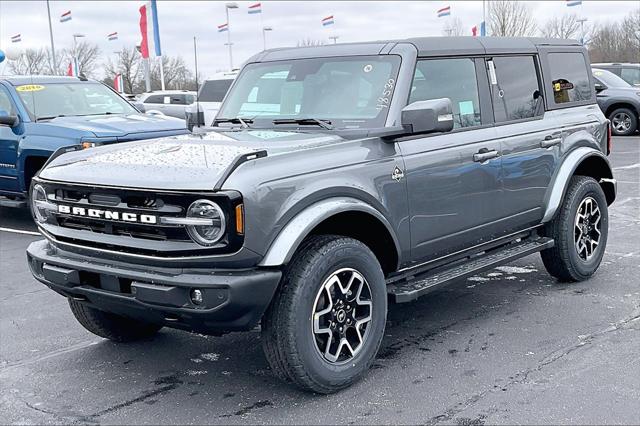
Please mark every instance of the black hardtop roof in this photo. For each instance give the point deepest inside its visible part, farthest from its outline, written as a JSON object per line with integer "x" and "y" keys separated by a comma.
{"x": 19, "y": 80}
{"x": 426, "y": 46}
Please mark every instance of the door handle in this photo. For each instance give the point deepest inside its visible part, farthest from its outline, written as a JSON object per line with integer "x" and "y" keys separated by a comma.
{"x": 484, "y": 155}
{"x": 551, "y": 140}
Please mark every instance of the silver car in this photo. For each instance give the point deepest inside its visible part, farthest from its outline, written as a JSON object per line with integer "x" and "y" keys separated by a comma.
{"x": 168, "y": 102}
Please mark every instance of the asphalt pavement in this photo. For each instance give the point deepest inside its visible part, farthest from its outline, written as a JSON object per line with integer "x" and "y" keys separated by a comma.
{"x": 508, "y": 346}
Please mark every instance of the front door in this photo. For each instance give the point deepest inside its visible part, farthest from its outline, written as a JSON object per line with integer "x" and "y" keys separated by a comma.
{"x": 453, "y": 179}
{"x": 8, "y": 146}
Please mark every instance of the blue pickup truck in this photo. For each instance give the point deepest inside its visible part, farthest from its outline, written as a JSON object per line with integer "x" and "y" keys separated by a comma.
{"x": 41, "y": 114}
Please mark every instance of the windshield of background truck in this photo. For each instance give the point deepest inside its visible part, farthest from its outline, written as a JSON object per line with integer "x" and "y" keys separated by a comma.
{"x": 71, "y": 99}
{"x": 610, "y": 79}
{"x": 351, "y": 92}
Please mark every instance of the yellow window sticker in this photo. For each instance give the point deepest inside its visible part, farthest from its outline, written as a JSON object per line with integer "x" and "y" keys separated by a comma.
{"x": 29, "y": 88}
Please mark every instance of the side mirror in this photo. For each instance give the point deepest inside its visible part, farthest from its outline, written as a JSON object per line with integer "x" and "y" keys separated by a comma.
{"x": 139, "y": 106}
{"x": 434, "y": 115}
{"x": 9, "y": 120}
{"x": 600, "y": 87}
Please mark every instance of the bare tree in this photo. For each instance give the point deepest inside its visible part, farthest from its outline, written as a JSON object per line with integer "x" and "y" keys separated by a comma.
{"x": 630, "y": 29}
{"x": 87, "y": 55}
{"x": 565, "y": 26}
{"x": 453, "y": 27}
{"x": 176, "y": 74}
{"x": 309, "y": 42}
{"x": 510, "y": 19}
{"x": 127, "y": 64}
{"x": 608, "y": 43}
{"x": 31, "y": 61}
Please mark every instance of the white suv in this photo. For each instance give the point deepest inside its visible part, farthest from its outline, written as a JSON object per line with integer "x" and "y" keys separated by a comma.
{"x": 210, "y": 96}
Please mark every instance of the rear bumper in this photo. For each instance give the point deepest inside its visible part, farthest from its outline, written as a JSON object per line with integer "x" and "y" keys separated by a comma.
{"x": 233, "y": 300}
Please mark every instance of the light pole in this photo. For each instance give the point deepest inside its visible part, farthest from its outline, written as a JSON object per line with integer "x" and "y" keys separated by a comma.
{"x": 264, "y": 36}
{"x": 227, "y": 6}
{"x": 582, "y": 21}
{"x": 75, "y": 54}
{"x": 334, "y": 38}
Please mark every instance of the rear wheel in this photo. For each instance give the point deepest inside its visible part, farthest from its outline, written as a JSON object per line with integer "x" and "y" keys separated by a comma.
{"x": 111, "y": 326}
{"x": 624, "y": 122}
{"x": 580, "y": 230}
{"x": 324, "y": 327}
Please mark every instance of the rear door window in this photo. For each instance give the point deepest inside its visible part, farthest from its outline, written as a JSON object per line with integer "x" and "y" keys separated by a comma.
{"x": 155, "y": 99}
{"x": 178, "y": 100}
{"x": 449, "y": 78}
{"x": 214, "y": 90}
{"x": 515, "y": 88}
{"x": 569, "y": 77}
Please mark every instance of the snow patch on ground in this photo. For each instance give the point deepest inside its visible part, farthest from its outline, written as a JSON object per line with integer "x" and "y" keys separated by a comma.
{"x": 196, "y": 372}
{"x": 477, "y": 279}
{"x": 516, "y": 269}
{"x": 494, "y": 274}
{"x": 210, "y": 356}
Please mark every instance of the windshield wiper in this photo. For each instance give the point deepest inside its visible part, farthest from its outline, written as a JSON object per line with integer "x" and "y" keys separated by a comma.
{"x": 49, "y": 117}
{"x": 325, "y": 124}
{"x": 244, "y": 122}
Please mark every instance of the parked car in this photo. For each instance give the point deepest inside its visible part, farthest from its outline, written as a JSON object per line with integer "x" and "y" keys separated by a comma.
{"x": 626, "y": 71}
{"x": 210, "y": 96}
{"x": 619, "y": 101}
{"x": 168, "y": 102}
{"x": 41, "y": 114}
{"x": 336, "y": 178}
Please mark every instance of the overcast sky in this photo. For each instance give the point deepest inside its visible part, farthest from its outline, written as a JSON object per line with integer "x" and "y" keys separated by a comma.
{"x": 292, "y": 21}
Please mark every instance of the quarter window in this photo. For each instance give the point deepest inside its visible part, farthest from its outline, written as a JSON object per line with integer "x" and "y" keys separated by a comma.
{"x": 569, "y": 78}
{"x": 631, "y": 76}
{"x": 449, "y": 78}
{"x": 516, "y": 91}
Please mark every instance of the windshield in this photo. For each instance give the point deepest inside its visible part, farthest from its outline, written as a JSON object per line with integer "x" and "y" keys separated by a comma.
{"x": 610, "y": 79}
{"x": 71, "y": 99}
{"x": 349, "y": 92}
{"x": 214, "y": 90}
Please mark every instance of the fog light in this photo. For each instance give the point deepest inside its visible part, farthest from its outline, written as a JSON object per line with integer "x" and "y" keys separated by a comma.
{"x": 196, "y": 296}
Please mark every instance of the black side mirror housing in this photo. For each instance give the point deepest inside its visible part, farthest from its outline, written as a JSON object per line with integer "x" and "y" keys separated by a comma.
{"x": 9, "y": 120}
{"x": 600, "y": 87}
{"x": 433, "y": 115}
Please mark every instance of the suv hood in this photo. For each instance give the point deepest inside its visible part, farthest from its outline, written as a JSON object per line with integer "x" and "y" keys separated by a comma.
{"x": 120, "y": 126}
{"x": 186, "y": 162}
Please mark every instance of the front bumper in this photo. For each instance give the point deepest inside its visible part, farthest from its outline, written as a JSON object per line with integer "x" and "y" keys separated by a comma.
{"x": 233, "y": 300}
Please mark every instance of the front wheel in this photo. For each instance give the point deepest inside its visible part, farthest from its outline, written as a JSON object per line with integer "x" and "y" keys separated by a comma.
{"x": 580, "y": 229}
{"x": 624, "y": 122}
{"x": 324, "y": 327}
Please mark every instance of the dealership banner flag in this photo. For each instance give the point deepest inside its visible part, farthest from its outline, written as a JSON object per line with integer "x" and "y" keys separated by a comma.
{"x": 149, "y": 30}
{"x": 112, "y": 36}
{"x": 255, "y": 8}
{"x": 328, "y": 21}
{"x": 66, "y": 16}
{"x": 223, "y": 27}
{"x": 445, "y": 11}
{"x": 117, "y": 83}
{"x": 16, "y": 38}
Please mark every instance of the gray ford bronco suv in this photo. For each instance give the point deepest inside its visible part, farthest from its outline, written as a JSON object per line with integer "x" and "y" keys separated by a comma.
{"x": 334, "y": 180}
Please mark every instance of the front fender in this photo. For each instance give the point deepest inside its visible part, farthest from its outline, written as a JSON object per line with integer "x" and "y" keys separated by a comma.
{"x": 559, "y": 186}
{"x": 288, "y": 240}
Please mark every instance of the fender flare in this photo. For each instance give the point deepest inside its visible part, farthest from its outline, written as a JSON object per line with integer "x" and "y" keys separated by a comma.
{"x": 286, "y": 243}
{"x": 565, "y": 172}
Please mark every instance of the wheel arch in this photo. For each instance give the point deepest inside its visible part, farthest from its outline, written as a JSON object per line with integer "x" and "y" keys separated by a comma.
{"x": 344, "y": 216}
{"x": 619, "y": 104}
{"x": 584, "y": 162}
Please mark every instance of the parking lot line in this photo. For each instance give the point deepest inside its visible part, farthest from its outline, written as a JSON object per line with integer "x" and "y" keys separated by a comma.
{"x": 19, "y": 231}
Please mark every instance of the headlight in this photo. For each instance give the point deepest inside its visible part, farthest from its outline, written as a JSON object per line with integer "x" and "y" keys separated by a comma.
{"x": 213, "y": 227}
{"x": 39, "y": 203}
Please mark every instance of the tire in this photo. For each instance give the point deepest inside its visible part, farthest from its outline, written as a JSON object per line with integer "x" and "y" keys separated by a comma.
{"x": 624, "y": 122}
{"x": 111, "y": 326}
{"x": 295, "y": 331}
{"x": 570, "y": 260}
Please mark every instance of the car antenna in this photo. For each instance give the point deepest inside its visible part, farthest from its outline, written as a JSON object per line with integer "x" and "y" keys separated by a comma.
{"x": 195, "y": 57}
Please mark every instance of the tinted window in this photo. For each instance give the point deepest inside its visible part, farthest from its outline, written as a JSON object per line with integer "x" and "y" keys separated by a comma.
{"x": 449, "y": 78}
{"x": 177, "y": 100}
{"x": 154, "y": 99}
{"x": 569, "y": 77}
{"x": 214, "y": 90}
{"x": 516, "y": 94}
{"x": 631, "y": 75}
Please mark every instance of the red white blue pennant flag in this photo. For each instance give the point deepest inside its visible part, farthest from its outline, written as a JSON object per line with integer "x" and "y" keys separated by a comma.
{"x": 327, "y": 21}
{"x": 445, "y": 11}
{"x": 223, "y": 27}
{"x": 112, "y": 36}
{"x": 65, "y": 16}
{"x": 16, "y": 38}
{"x": 255, "y": 8}
{"x": 574, "y": 2}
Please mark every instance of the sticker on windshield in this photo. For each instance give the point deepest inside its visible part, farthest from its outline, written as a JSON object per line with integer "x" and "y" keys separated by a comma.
{"x": 368, "y": 68}
{"x": 30, "y": 88}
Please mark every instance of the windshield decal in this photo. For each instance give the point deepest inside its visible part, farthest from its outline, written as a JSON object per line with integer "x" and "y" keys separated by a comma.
{"x": 30, "y": 88}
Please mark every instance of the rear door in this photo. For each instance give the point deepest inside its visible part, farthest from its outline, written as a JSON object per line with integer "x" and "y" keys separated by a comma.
{"x": 530, "y": 137}
{"x": 453, "y": 179}
{"x": 9, "y": 141}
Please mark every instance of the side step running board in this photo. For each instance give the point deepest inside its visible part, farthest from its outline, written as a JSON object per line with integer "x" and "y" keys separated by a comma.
{"x": 410, "y": 289}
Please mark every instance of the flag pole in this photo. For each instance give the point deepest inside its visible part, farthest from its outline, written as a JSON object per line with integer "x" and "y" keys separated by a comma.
{"x": 53, "y": 49}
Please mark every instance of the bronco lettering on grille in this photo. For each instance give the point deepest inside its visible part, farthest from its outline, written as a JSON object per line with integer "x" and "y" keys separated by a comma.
{"x": 108, "y": 214}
